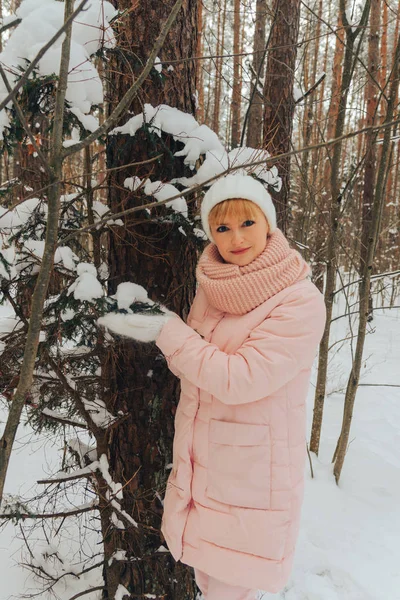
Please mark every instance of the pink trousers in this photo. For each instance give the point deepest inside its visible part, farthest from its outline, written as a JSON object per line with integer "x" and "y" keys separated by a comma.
{"x": 213, "y": 589}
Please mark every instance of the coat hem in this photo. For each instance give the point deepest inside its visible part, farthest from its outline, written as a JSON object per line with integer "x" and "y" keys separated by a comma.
{"x": 238, "y": 569}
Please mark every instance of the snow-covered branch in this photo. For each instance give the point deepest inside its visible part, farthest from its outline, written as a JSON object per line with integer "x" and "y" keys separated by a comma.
{"x": 231, "y": 169}
{"x": 133, "y": 90}
{"x": 77, "y": 474}
{"x": 34, "y": 62}
{"x": 9, "y": 25}
{"x": 60, "y": 418}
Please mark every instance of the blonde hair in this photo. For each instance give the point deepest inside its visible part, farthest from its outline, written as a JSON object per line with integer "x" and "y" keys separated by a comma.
{"x": 238, "y": 207}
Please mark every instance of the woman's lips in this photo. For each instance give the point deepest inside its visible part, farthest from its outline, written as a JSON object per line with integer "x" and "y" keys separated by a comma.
{"x": 240, "y": 251}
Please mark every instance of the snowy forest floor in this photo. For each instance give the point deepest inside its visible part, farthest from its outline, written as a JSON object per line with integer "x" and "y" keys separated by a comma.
{"x": 349, "y": 540}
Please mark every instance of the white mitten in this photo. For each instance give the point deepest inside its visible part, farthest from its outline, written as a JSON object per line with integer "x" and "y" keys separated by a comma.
{"x": 140, "y": 327}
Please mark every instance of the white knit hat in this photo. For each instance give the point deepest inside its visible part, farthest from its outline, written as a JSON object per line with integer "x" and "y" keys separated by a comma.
{"x": 237, "y": 186}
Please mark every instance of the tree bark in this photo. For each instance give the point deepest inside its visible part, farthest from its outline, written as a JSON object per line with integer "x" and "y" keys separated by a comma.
{"x": 323, "y": 208}
{"x": 157, "y": 256}
{"x": 200, "y": 115}
{"x": 237, "y": 78}
{"x": 278, "y": 95}
{"x": 256, "y": 108}
{"x": 218, "y": 67}
{"x": 308, "y": 176}
{"x": 372, "y": 93}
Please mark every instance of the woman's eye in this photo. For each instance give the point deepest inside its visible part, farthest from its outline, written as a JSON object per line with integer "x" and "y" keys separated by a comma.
{"x": 248, "y": 223}
{"x": 222, "y": 228}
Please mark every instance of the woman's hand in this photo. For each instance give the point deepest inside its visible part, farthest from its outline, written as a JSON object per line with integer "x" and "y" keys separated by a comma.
{"x": 137, "y": 326}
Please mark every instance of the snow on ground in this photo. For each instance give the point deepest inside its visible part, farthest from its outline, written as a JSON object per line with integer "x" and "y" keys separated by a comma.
{"x": 348, "y": 547}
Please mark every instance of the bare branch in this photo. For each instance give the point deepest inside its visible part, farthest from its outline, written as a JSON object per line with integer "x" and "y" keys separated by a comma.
{"x": 335, "y": 32}
{"x": 56, "y": 515}
{"x": 312, "y": 88}
{"x": 378, "y": 385}
{"x": 373, "y": 278}
{"x": 356, "y": 312}
{"x": 93, "y": 589}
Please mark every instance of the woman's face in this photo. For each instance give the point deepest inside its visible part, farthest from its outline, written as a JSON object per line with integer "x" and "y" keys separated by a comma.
{"x": 240, "y": 239}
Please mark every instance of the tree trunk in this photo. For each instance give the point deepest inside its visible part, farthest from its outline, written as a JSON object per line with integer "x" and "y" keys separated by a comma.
{"x": 335, "y": 210}
{"x": 372, "y": 92}
{"x": 43, "y": 278}
{"x": 237, "y": 78}
{"x": 323, "y": 208}
{"x": 384, "y": 55}
{"x": 256, "y": 108}
{"x": 307, "y": 181}
{"x": 154, "y": 254}
{"x": 200, "y": 115}
{"x": 317, "y": 167}
{"x": 218, "y": 67}
{"x": 368, "y": 266}
{"x": 278, "y": 95}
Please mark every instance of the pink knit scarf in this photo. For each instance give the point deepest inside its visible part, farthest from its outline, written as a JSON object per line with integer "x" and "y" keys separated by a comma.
{"x": 238, "y": 290}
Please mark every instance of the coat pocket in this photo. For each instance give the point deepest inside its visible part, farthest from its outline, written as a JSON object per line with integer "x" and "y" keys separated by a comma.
{"x": 239, "y": 464}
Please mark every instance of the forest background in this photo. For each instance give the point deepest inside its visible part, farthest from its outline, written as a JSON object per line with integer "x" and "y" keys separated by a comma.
{"x": 111, "y": 131}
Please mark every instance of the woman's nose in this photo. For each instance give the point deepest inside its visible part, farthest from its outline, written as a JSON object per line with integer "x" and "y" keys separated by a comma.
{"x": 236, "y": 237}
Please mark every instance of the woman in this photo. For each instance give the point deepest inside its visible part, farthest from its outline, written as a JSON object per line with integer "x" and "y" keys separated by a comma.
{"x": 234, "y": 495}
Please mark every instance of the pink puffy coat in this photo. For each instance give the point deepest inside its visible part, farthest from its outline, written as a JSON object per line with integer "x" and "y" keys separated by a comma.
{"x": 234, "y": 495}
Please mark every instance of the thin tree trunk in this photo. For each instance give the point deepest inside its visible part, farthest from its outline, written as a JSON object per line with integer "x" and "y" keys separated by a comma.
{"x": 256, "y": 108}
{"x": 217, "y": 75}
{"x": 200, "y": 65}
{"x": 237, "y": 79}
{"x": 307, "y": 181}
{"x": 43, "y": 279}
{"x": 100, "y": 148}
{"x": 368, "y": 267}
{"x": 384, "y": 54}
{"x": 218, "y": 67}
{"x": 318, "y": 161}
{"x": 391, "y": 209}
{"x": 95, "y": 235}
{"x": 350, "y": 58}
{"x": 323, "y": 212}
{"x": 372, "y": 93}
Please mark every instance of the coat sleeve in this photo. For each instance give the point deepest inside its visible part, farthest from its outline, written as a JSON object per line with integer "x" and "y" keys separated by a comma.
{"x": 273, "y": 354}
